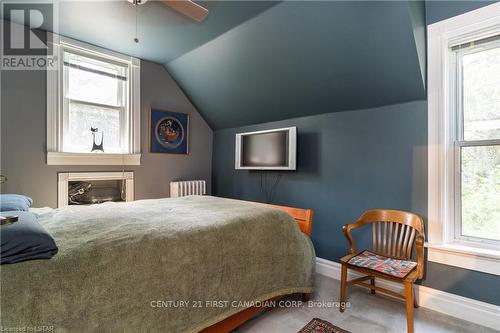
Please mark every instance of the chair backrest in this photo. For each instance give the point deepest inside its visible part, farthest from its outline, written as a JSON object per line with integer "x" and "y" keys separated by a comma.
{"x": 394, "y": 231}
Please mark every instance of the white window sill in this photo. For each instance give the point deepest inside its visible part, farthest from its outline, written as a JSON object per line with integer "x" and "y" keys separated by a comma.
{"x": 477, "y": 259}
{"x": 54, "y": 158}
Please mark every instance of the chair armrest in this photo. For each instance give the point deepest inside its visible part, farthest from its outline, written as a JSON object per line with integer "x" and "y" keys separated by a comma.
{"x": 347, "y": 233}
{"x": 420, "y": 256}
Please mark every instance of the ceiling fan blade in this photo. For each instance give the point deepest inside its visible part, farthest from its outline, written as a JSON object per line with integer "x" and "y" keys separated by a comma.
{"x": 188, "y": 8}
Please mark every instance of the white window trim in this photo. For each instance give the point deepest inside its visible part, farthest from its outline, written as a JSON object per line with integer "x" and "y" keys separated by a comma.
{"x": 442, "y": 247}
{"x": 55, "y": 155}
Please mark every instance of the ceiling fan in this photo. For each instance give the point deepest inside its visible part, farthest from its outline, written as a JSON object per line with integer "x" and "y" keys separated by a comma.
{"x": 185, "y": 7}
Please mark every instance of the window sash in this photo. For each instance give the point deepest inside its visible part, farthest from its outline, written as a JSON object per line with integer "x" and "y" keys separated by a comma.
{"x": 123, "y": 88}
{"x": 457, "y": 82}
{"x": 86, "y": 149}
{"x": 458, "y": 236}
{"x": 459, "y": 142}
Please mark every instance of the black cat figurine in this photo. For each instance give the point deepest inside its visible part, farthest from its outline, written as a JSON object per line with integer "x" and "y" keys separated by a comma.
{"x": 94, "y": 145}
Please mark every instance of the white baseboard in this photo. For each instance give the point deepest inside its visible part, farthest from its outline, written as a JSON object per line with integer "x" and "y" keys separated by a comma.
{"x": 478, "y": 312}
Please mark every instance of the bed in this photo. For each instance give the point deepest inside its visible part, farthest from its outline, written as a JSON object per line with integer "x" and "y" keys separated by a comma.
{"x": 172, "y": 265}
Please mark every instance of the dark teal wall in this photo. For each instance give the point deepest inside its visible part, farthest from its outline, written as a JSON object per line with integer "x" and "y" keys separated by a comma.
{"x": 349, "y": 162}
{"x": 301, "y": 58}
{"x": 441, "y": 10}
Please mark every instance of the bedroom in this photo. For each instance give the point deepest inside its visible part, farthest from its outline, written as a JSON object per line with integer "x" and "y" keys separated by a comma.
{"x": 172, "y": 166}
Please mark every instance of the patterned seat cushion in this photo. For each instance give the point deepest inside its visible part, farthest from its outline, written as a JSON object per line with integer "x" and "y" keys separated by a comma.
{"x": 394, "y": 267}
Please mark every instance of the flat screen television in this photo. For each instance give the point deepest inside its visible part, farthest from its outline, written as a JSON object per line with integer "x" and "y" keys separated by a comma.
{"x": 274, "y": 149}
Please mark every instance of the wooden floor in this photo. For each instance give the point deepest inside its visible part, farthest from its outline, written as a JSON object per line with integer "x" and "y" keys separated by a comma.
{"x": 368, "y": 313}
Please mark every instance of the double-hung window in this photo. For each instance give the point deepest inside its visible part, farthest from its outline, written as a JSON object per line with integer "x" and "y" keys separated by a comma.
{"x": 95, "y": 96}
{"x": 93, "y": 106}
{"x": 477, "y": 142}
{"x": 464, "y": 140}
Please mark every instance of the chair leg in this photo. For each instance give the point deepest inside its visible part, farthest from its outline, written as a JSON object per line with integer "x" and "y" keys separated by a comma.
{"x": 372, "y": 282}
{"x": 343, "y": 286}
{"x": 415, "y": 300}
{"x": 409, "y": 306}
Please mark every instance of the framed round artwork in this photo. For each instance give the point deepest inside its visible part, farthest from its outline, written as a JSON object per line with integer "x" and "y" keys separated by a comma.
{"x": 168, "y": 132}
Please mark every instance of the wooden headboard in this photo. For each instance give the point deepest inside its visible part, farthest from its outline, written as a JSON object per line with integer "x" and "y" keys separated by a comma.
{"x": 303, "y": 216}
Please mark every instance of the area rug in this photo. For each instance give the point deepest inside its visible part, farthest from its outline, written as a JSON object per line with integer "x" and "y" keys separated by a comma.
{"x": 321, "y": 326}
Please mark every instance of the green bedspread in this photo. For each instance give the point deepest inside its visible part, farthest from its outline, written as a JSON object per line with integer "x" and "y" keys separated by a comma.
{"x": 163, "y": 265}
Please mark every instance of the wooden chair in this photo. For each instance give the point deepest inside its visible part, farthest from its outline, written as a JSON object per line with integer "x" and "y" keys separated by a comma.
{"x": 394, "y": 234}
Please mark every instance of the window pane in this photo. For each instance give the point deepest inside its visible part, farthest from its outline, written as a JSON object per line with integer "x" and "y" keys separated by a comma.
{"x": 481, "y": 94}
{"x": 94, "y": 80}
{"x": 90, "y": 87}
{"x": 481, "y": 191}
{"x": 82, "y": 117}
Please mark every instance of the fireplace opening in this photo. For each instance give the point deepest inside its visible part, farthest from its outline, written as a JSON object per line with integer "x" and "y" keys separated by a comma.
{"x": 88, "y": 188}
{"x": 96, "y": 191}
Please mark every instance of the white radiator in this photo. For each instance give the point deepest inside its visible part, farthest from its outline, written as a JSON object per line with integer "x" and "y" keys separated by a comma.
{"x": 189, "y": 187}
